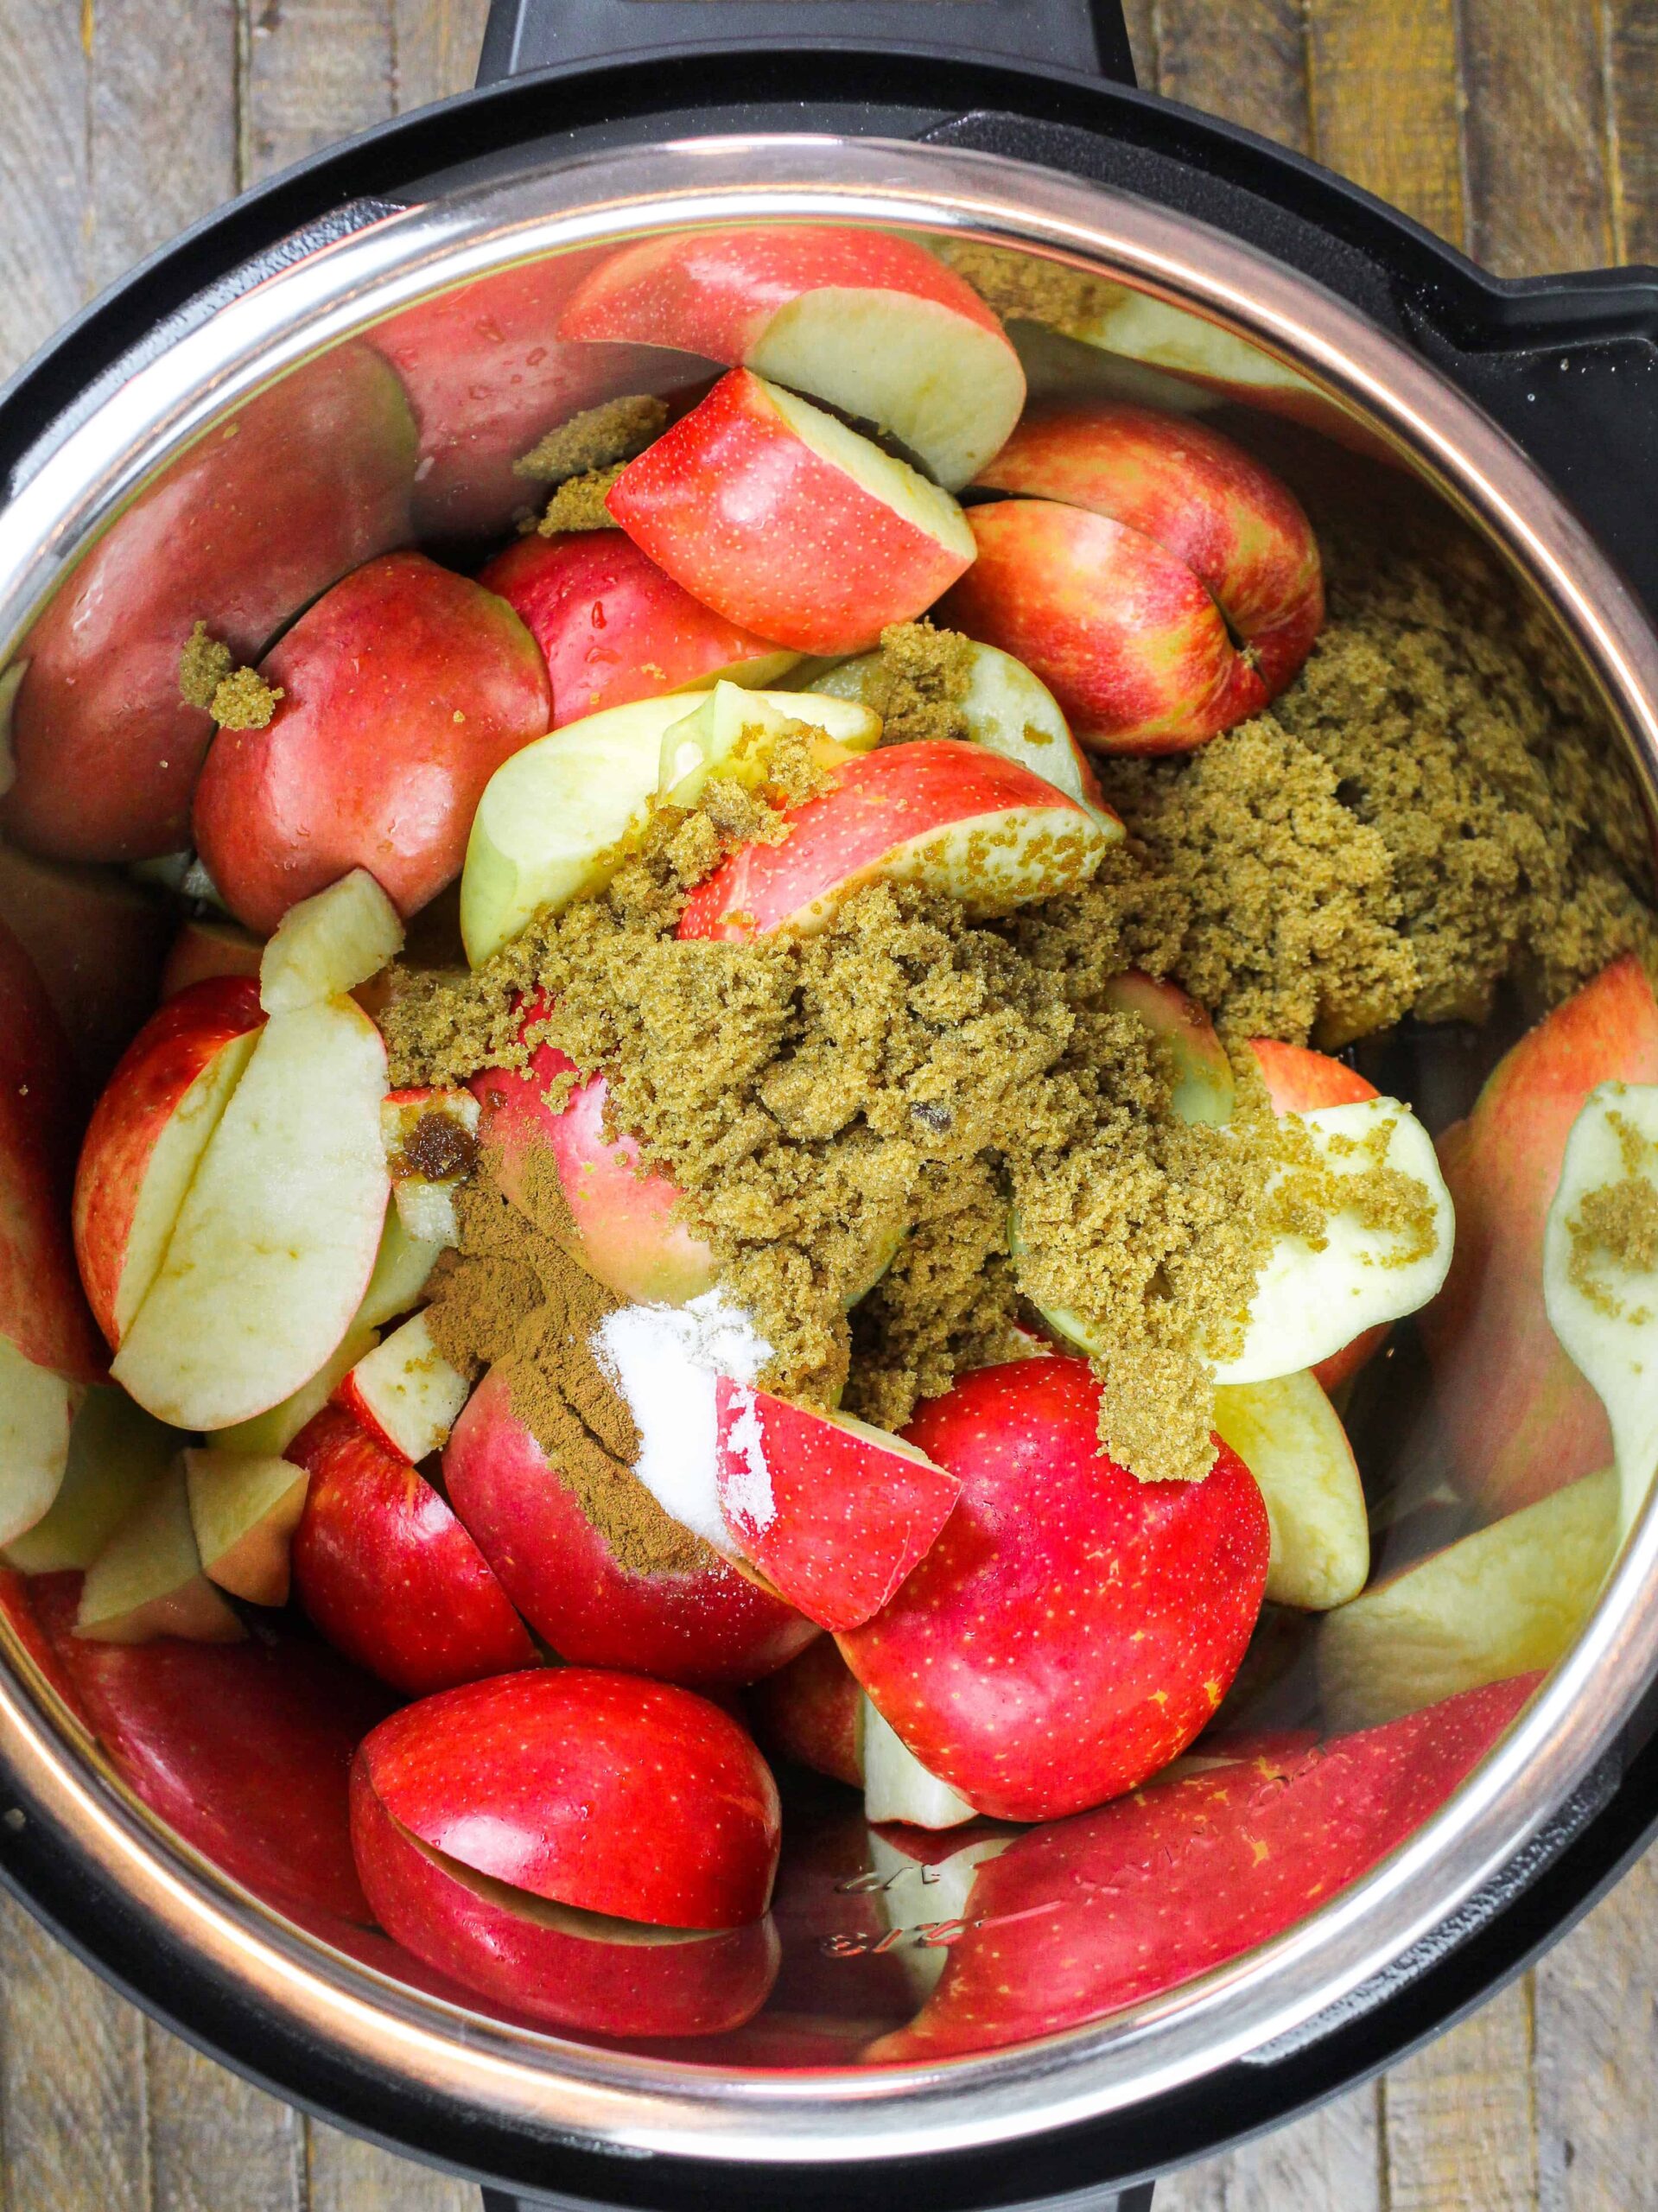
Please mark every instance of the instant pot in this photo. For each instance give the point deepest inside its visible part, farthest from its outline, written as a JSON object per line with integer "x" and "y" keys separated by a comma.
{"x": 1529, "y": 411}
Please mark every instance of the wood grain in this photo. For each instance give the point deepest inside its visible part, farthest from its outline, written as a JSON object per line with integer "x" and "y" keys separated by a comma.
{"x": 1458, "y": 2123}
{"x": 347, "y": 2175}
{"x": 161, "y": 130}
{"x": 1631, "y": 55}
{"x": 43, "y": 181}
{"x": 1385, "y": 103}
{"x": 1535, "y": 80}
{"x": 1246, "y": 62}
{"x": 314, "y": 71}
{"x": 434, "y": 48}
{"x": 1328, "y": 2162}
{"x": 216, "y": 2143}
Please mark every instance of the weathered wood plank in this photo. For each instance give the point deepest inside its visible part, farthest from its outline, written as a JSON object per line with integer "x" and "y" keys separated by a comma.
{"x": 1535, "y": 128}
{"x": 349, "y": 2175}
{"x": 1247, "y": 61}
{"x": 217, "y": 2144}
{"x": 1458, "y": 2123}
{"x": 315, "y": 71}
{"x": 1631, "y": 62}
{"x": 1140, "y": 18}
{"x": 43, "y": 181}
{"x": 73, "y": 2115}
{"x": 434, "y": 49}
{"x": 1385, "y": 104}
{"x": 1329, "y": 2161}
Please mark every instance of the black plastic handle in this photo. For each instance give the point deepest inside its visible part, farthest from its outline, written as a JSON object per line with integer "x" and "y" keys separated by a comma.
{"x": 1083, "y": 34}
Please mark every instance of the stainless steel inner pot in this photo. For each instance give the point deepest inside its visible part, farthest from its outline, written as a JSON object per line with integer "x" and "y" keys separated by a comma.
{"x": 233, "y": 345}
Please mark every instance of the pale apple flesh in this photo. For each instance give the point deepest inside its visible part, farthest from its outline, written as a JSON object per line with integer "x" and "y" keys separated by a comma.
{"x": 1291, "y": 1439}
{"x": 148, "y": 1580}
{"x": 244, "y": 1509}
{"x": 37, "y": 1411}
{"x": 1204, "y": 1087}
{"x": 430, "y": 1139}
{"x": 116, "y": 1452}
{"x": 328, "y": 943}
{"x": 405, "y": 1393}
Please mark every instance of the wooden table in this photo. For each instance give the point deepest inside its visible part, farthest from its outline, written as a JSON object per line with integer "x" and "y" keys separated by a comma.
{"x": 1526, "y": 131}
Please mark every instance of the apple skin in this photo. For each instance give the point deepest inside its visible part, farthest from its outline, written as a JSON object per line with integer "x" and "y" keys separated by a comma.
{"x": 244, "y": 1749}
{"x": 547, "y": 1973}
{"x": 1033, "y": 1705}
{"x": 174, "y": 1047}
{"x": 386, "y": 1571}
{"x": 17, "y": 1605}
{"x": 1239, "y": 531}
{"x": 205, "y": 949}
{"x": 97, "y": 940}
{"x": 738, "y": 508}
{"x": 405, "y": 688}
{"x": 711, "y": 1628}
{"x": 310, "y": 479}
{"x": 1077, "y": 1920}
{"x": 1519, "y": 1419}
{"x": 879, "y": 804}
{"x": 613, "y": 627}
{"x": 590, "y": 1788}
{"x": 1121, "y": 631}
{"x": 809, "y": 1711}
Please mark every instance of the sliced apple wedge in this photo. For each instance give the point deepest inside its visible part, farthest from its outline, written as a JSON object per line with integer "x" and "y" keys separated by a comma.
{"x": 328, "y": 943}
{"x": 1291, "y": 1439}
{"x": 1600, "y": 1272}
{"x": 405, "y": 1393}
{"x": 925, "y": 1901}
{"x": 1505, "y": 1601}
{"x": 270, "y": 1433}
{"x": 731, "y": 729}
{"x": 1311, "y": 1300}
{"x": 148, "y": 1581}
{"x": 402, "y": 1267}
{"x": 1204, "y": 1088}
{"x": 897, "y": 1787}
{"x": 115, "y": 1452}
{"x": 834, "y": 1513}
{"x": 430, "y": 1137}
{"x": 37, "y": 1409}
{"x": 245, "y": 1508}
{"x": 277, "y": 1235}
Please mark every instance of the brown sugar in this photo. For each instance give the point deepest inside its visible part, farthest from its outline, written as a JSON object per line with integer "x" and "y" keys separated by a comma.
{"x": 579, "y": 504}
{"x": 614, "y": 431}
{"x": 1021, "y": 288}
{"x": 917, "y": 683}
{"x": 203, "y": 665}
{"x": 236, "y": 698}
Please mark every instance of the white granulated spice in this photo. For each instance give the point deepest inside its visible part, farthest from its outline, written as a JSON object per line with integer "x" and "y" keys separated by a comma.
{"x": 748, "y": 1490}
{"x": 664, "y": 1360}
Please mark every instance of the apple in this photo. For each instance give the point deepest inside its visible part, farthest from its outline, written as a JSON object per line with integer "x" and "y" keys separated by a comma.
{"x": 37, "y": 1412}
{"x": 1084, "y": 1916}
{"x": 1129, "y": 641}
{"x": 1291, "y": 1439}
{"x": 612, "y": 627}
{"x": 553, "y": 1963}
{"x": 812, "y": 1711}
{"x": 117, "y": 1452}
{"x": 430, "y": 1136}
{"x": 1202, "y": 1073}
{"x": 244, "y": 1749}
{"x": 270, "y": 1433}
{"x": 865, "y": 320}
{"x": 277, "y": 1237}
{"x": 1545, "y": 1427}
{"x": 785, "y": 521}
{"x": 329, "y": 943}
{"x": 731, "y": 731}
{"x": 21, "y": 1616}
{"x": 148, "y": 1580}
{"x": 833, "y": 1514}
{"x": 244, "y": 1511}
{"x": 387, "y": 1572}
{"x": 1072, "y": 1629}
{"x": 404, "y": 1392}
{"x": 404, "y": 688}
{"x": 1508, "y": 1599}
{"x": 897, "y": 1787}
{"x": 204, "y": 949}
{"x": 634, "y": 1799}
{"x": 558, "y": 820}
{"x": 402, "y": 1267}
{"x": 97, "y": 941}
{"x": 708, "y": 1625}
{"x": 308, "y": 479}
{"x": 148, "y": 1135}
{"x": 1237, "y": 529}
{"x": 940, "y": 812}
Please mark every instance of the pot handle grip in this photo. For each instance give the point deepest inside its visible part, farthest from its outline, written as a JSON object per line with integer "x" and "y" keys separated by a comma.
{"x": 1088, "y": 36}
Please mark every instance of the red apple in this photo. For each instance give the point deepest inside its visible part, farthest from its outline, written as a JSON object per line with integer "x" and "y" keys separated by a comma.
{"x": 244, "y": 1749}
{"x": 388, "y": 1573}
{"x": 1080, "y": 1918}
{"x": 950, "y": 815}
{"x": 548, "y": 1962}
{"x": 614, "y": 629}
{"x": 811, "y": 1711}
{"x": 22, "y": 1617}
{"x": 97, "y": 940}
{"x": 834, "y": 1514}
{"x": 866, "y": 320}
{"x": 708, "y": 1625}
{"x": 1519, "y": 1419}
{"x": 1119, "y": 630}
{"x": 1239, "y": 530}
{"x": 147, "y": 1136}
{"x": 1072, "y": 1629}
{"x": 404, "y": 1392}
{"x": 404, "y": 689}
{"x": 247, "y": 526}
{"x": 590, "y": 1788}
{"x": 783, "y": 520}
{"x": 204, "y": 949}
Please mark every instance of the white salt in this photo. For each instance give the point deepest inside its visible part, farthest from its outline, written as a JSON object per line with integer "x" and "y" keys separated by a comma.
{"x": 748, "y": 1491}
{"x": 664, "y": 1360}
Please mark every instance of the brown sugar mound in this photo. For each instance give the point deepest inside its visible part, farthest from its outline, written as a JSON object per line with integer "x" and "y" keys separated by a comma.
{"x": 236, "y": 698}
{"x": 598, "y": 437}
{"x": 579, "y": 504}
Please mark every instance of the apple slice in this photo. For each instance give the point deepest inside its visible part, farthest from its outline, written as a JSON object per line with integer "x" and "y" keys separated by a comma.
{"x": 276, "y": 1239}
{"x": 866, "y": 320}
{"x": 1291, "y": 1439}
{"x": 1507, "y": 1600}
{"x": 146, "y": 1138}
{"x": 1202, "y": 1074}
{"x": 244, "y": 1509}
{"x": 268, "y": 1434}
{"x": 730, "y": 730}
{"x": 116, "y": 1452}
{"x": 37, "y": 1408}
{"x": 813, "y": 1711}
{"x": 402, "y": 1267}
{"x": 430, "y": 1137}
{"x": 940, "y": 812}
{"x": 1310, "y": 1302}
{"x": 1600, "y": 1272}
{"x": 148, "y": 1580}
{"x": 204, "y": 949}
{"x": 405, "y": 1393}
{"x": 834, "y": 1514}
{"x": 782, "y": 519}
{"x": 897, "y": 1787}
{"x": 925, "y": 1902}
{"x": 328, "y": 943}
